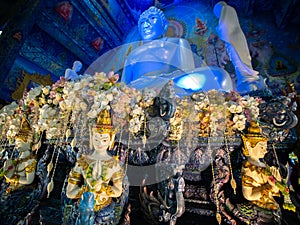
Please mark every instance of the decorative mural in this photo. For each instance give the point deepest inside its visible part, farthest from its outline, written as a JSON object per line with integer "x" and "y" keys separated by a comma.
{"x": 65, "y": 10}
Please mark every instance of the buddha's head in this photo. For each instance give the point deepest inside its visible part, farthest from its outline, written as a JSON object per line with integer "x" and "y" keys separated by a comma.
{"x": 255, "y": 144}
{"x": 24, "y": 138}
{"x": 152, "y": 24}
{"x": 103, "y": 134}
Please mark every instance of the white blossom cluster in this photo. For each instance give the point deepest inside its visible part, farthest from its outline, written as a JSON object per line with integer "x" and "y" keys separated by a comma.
{"x": 49, "y": 121}
{"x": 9, "y": 122}
{"x": 243, "y": 110}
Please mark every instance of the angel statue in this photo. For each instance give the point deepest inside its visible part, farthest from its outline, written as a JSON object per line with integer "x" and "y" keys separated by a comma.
{"x": 24, "y": 179}
{"x": 261, "y": 184}
{"x": 97, "y": 178}
{"x": 258, "y": 185}
{"x": 21, "y": 171}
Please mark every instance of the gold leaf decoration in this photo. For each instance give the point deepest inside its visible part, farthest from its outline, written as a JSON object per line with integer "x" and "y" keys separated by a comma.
{"x": 68, "y": 133}
{"x": 49, "y": 167}
{"x": 233, "y": 185}
{"x": 219, "y": 218}
{"x": 73, "y": 143}
{"x": 50, "y": 187}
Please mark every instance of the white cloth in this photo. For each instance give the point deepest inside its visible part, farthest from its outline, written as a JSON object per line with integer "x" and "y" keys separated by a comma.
{"x": 229, "y": 30}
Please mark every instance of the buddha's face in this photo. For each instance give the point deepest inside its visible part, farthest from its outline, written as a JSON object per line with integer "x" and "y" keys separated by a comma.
{"x": 101, "y": 141}
{"x": 151, "y": 26}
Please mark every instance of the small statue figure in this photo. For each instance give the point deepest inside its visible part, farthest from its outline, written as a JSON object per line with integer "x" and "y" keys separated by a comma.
{"x": 21, "y": 171}
{"x": 98, "y": 173}
{"x": 160, "y": 59}
{"x": 230, "y": 32}
{"x": 86, "y": 209}
{"x": 259, "y": 181}
{"x": 167, "y": 208}
{"x": 260, "y": 184}
{"x": 180, "y": 205}
{"x": 72, "y": 74}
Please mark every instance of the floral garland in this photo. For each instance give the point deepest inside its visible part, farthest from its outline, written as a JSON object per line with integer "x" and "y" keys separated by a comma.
{"x": 53, "y": 108}
{"x": 213, "y": 107}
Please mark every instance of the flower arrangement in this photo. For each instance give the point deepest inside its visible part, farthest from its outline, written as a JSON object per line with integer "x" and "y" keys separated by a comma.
{"x": 239, "y": 111}
{"x": 50, "y": 118}
{"x": 230, "y": 111}
{"x": 210, "y": 110}
{"x": 51, "y": 108}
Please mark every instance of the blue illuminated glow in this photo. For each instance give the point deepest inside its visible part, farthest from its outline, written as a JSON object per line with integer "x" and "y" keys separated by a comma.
{"x": 194, "y": 81}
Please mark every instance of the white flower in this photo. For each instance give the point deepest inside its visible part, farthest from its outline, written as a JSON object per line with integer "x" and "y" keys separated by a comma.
{"x": 63, "y": 105}
{"x": 46, "y": 90}
{"x": 77, "y": 87}
{"x": 110, "y": 97}
{"x": 33, "y": 93}
{"x": 255, "y": 112}
{"x": 239, "y": 125}
{"x": 136, "y": 111}
{"x": 77, "y": 107}
{"x": 69, "y": 102}
{"x": 134, "y": 125}
{"x": 9, "y": 109}
{"x": 51, "y": 132}
{"x": 84, "y": 83}
{"x": 55, "y": 102}
{"x": 239, "y": 109}
{"x": 36, "y": 128}
{"x": 237, "y": 118}
{"x": 235, "y": 108}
